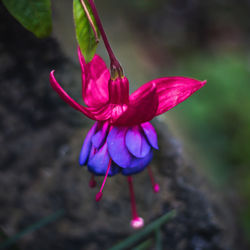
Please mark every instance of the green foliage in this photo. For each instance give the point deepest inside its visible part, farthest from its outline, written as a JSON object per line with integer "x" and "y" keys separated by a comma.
{"x": 158, "y": 239}
{"x": 84, "y": 32}
{"x": 9, "y": 242}
{"x": 217, "y": 115}
{"x": 34, "y": 15}
{"x": 3, "y": 238}
{"x": 216, "y": 119}
{"x": 144, "y": 245}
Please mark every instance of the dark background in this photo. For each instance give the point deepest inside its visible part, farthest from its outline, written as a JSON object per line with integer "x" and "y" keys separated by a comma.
{"x": 41, "y": 136}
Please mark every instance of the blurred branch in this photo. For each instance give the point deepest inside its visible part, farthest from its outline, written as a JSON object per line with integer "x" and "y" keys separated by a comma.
{"x": 130, "y": 241}
{"x": 43, "y": 222}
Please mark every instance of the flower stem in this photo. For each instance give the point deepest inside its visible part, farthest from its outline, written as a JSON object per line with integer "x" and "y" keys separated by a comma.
{"x": 115, "y": 65}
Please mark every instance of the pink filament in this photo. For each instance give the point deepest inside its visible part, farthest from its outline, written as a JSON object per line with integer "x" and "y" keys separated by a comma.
{"x": 132, "y": 198}
{"x": 136, "y": 222}
{"x": 99, "y": 194}
{"x": 155, "y": 186}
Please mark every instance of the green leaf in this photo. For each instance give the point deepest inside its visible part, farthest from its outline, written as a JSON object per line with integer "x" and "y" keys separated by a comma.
{"x": 158, "y": 239}
{"x": 34, "y": 15}
{"x": 84, "y": 32}
{"x": 144, "y": 245}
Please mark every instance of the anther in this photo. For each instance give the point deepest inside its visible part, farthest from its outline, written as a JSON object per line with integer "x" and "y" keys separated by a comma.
{"x": 155, "y": 185}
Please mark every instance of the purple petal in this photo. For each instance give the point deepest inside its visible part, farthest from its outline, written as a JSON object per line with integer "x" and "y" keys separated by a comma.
{"x": 138, "y": 164}
{"x": 115, "y": 169}
{"x": 136, "y": 142}
{"x": 98, "y": 164}
{"x": 92, "y": 152}
{"x": 87, "y": 146}
{"x": 99, "y": 137}
{"x": 117, "y": 147}
{"x": 150, "y": 134}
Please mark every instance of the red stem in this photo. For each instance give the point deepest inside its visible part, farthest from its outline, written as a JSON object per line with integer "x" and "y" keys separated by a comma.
{"x": 114, "y": 61}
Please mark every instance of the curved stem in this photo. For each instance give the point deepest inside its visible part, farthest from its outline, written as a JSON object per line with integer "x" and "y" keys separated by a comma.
{"x": 114, "y": 61}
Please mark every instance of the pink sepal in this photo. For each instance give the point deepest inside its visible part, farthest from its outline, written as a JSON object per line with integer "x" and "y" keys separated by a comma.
{"x": 63, "y": 94}
{"x": 142, "y": 107}
{"x": 83, "y": 65}
{"x": 171, "y": 91}
{"x": 95, "y": 78}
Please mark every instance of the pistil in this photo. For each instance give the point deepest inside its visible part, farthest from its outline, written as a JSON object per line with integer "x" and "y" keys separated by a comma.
{"x": 136, "y": 222}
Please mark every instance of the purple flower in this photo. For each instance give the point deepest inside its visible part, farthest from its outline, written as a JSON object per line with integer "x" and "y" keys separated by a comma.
{"x": 128, "y": 150}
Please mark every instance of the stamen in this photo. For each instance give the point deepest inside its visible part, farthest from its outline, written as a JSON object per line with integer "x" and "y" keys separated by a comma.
{"x": 92, "y": 182}
{"x": 155, "y": 185}
{"x": 136, "y": 222}
{"x": 99, "y": 194}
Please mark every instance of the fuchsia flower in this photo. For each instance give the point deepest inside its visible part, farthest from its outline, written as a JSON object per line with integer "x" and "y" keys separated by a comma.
{"x": 122, "y": 140}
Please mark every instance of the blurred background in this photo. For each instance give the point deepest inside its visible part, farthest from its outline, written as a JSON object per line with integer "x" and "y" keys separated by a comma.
{"x": 204, "y": 40}
{"x": 207, "y": 40}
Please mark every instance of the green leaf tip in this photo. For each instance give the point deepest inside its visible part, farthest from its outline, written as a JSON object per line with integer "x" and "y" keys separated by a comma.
{"x": 37, "y": 225}
{"x": 87, "y": 32}
{"x": 35, "y": 16}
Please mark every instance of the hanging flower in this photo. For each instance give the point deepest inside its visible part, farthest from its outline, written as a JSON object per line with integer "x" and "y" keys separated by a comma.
{"x": 122, "y": 140}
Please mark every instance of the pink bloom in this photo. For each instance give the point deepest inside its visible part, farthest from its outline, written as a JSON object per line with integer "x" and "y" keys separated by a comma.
{"x": 109, "y": 100}
{"x": 122, "y": 139}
